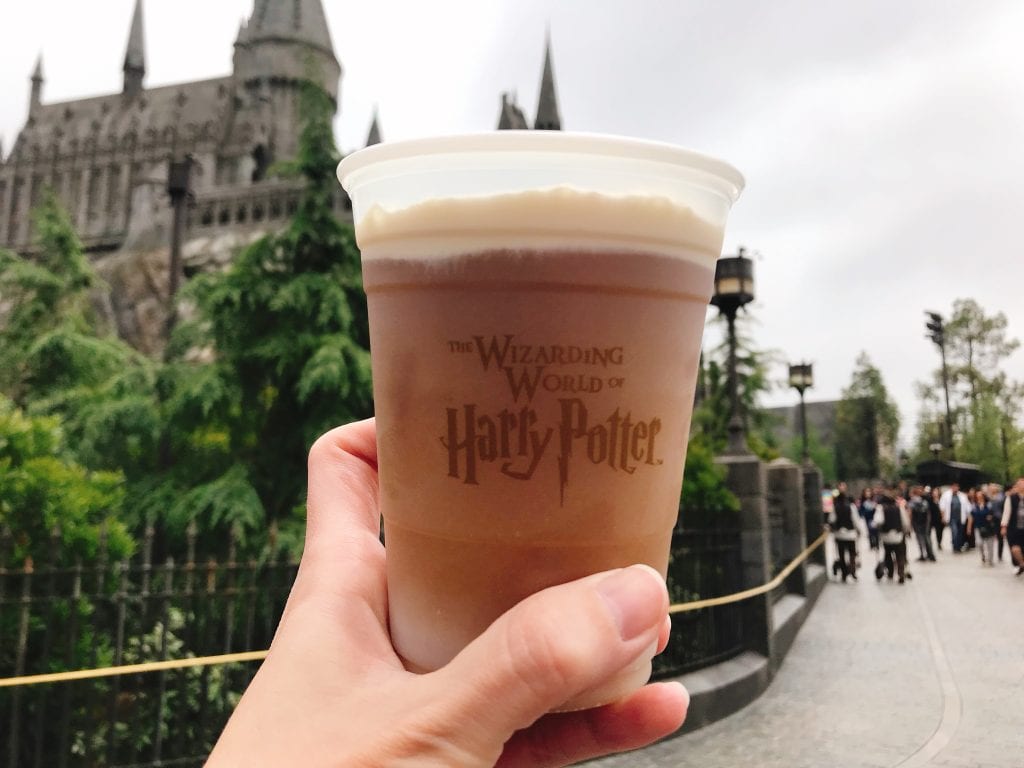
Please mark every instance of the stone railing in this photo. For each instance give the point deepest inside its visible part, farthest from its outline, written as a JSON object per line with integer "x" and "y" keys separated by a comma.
{"x": 265, "y": 204}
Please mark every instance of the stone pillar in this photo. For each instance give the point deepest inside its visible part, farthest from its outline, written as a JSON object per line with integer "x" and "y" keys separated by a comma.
{"x": 786, "y": 487}
{"x": 747, "y": 479}
{"x": 814, "y": 513}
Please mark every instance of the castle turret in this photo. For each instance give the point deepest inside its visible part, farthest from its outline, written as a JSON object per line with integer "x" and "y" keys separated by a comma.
{"x": 36, "y": 98}
{"x": 511, "y": 116}
{"x": 373, "y": 137}
{"x": 135, "y": 55}
{"x": 548, "y": 117}
{"x": 284, "y": 42}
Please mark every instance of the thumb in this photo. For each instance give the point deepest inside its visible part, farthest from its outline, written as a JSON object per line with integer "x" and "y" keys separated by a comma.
{"x": 553, "y": 646}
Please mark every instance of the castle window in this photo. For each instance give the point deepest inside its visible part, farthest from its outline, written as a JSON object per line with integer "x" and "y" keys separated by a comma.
{"x": 261, "y": 162}
{"x": 207, "y": 218}
{"x": 37, "y": 190}
{"x": 15, "y": 206}
{"x": 224, "y": 216}
{"x": 113, "y": 189}
{"x": 257, "y": 212}
{"x": 275, "y": 209}
{"x": 242, "y": 215}
{"x": 93, "y": 195}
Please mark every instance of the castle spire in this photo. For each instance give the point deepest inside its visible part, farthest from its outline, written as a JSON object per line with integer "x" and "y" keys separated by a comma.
{"x": 548, "y": 117}
{"x": 373, "y": 137}
{"x": 37, "y": 85}
{"x": 300, "y": 20}
{"x": 135, "y": 54}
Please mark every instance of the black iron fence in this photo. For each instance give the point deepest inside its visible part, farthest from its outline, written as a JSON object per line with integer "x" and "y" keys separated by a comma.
{"x": 703, "y": 564}
{"x": 55, "y": 617}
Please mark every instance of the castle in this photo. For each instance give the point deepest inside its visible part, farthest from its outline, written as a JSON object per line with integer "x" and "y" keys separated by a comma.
{"x": 107, "y": 157}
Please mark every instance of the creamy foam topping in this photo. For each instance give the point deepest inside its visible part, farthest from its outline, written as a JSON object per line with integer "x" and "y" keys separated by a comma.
{"x": 558, "y": 218}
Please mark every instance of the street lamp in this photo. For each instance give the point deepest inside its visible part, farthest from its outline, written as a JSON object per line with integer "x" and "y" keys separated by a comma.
{"x": 734, "y": 288}
{"x": 801, "y": 378}
{"x": 937, "y": 333}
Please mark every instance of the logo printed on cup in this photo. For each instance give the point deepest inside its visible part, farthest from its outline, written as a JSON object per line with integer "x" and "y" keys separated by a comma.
{"x": 515, "y": 438}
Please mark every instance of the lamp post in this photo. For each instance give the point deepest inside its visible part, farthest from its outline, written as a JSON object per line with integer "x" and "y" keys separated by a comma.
{"x": 801, "y": 378}
{"x": 937, "y": 333}
{"x": 734, "y": 288}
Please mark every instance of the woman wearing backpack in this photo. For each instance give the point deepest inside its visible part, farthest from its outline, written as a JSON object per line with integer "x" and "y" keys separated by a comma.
{"x": 893, "y": 524}
{"x": 983, "y": 521}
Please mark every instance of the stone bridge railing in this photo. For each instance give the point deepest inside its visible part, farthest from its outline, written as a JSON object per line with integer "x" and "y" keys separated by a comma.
{"x": 266, "y": 204}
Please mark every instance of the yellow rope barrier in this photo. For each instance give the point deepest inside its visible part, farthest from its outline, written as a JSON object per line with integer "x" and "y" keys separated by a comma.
{"x": 736, "y": 597}
{"x": 234, "y": 658}
{"x": 131, "y": 669}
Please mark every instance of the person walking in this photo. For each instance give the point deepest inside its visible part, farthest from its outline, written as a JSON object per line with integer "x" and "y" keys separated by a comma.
{"x": 997, "y": 497}
{"x": 920, "y": 520}
{"x": 954, "y": 507}
{"x": 893, "y": 525}
{"x": 1012, "y": 524}
{"x": 932, "y": 497}
{"x": 844, "y": 531}
{"x": 984, "y": 522}
{"x": 968, "y": 534}
{"x": 866, "y": 510}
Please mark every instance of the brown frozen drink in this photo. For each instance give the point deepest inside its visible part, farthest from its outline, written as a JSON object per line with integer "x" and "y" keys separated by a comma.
{"x": 536, "y": 307}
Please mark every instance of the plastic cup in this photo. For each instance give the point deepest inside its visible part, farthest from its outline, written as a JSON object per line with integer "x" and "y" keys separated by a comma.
{"x": 536, "y": 305}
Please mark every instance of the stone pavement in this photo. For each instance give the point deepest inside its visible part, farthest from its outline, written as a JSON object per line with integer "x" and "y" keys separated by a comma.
{"x": 930, "y": 673}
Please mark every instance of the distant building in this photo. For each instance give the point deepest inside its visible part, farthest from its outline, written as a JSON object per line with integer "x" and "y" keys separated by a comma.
{"x": 106, "y": 157}
{"x": 821, "y": 423}
{"x": 821, "y": 428}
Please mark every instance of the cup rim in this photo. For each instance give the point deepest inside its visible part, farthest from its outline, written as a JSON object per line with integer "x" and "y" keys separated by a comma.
{"x": 555, "y": 142}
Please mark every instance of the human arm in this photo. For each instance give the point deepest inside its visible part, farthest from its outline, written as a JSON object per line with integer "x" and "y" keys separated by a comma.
{"x": 333, "y": 693}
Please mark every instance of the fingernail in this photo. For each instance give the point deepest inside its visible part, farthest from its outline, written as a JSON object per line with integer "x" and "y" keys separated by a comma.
{"x": 636, "y": 598}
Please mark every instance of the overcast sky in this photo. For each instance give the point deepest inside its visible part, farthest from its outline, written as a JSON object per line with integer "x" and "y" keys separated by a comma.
{"x": 883, "y": 142}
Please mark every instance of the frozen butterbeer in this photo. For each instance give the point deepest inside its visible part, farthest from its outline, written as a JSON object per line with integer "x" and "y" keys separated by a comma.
{"x": 536, "y": 305}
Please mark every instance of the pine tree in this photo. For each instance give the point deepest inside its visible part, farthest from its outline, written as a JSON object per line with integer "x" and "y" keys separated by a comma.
{"x": 57, "y": 357}
{"x": 286, "y": 332}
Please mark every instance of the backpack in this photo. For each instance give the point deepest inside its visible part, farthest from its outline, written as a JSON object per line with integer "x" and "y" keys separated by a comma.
{"x": 919, "y": 511}
{"x": 988, "y": 523}
{"x": 844, "y": 514}
{"x": 891, "y": 521}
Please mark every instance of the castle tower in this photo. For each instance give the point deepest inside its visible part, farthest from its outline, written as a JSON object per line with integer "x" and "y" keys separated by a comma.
{"x": 373, "y": 137}
{"x": 287, "y": 41}
{"x": 36, "y": 98}
{"x": 548, "y": 117}
{"x": 135, "y": 56}
{"x": 284, "y": 43}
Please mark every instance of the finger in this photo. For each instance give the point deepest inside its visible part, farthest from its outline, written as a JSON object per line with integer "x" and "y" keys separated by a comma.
{"x": 553, "y": 646}
{"x": 650, "y": 714}
{"x": 663, "y": 635}
{"x": 342, "y": 499}
{"x": 341, "y": 589}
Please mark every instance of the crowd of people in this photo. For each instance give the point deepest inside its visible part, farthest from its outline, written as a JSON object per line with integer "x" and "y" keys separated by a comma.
{"x": 989, "y": 519}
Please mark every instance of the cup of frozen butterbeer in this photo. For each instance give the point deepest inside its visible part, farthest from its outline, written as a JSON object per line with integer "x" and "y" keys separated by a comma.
{"x": 536, "y": 305}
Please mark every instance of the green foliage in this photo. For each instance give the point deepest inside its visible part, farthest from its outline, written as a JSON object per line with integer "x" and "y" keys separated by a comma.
{"x": 821, "y": 455}
{"x": 711, "y": 416}
{"x": 47, "y": 316}
{"x": 42, "y": 491}
{"x": 985, "y": 404}
{"x": 706, "y": 502}
{"x": 867, "y": 426}
{"x": 287, "y": 358}
{"x": 57, "y": 358}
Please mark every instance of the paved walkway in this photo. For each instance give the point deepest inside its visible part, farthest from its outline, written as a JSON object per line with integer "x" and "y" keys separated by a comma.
{"x": 926, "y": 674}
